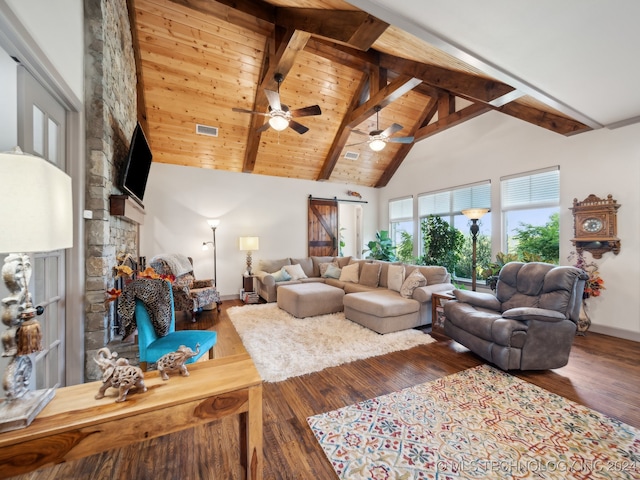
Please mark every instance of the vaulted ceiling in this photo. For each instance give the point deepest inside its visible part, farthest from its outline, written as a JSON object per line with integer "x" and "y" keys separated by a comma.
{"x": 198, "y": 60}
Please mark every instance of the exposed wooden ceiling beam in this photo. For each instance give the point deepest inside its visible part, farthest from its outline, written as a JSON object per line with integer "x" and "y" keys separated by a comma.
{"x": 555, "y": 123}
{"x": 355, "y": 28}
{"x": 478, "y": 88}
{"x": 426, "y": 115}
{"x": 340, "y": 140}
{"x": 382, "y": 98}
{"x": 284, "y": 49}
{"x": 452, "y": 120}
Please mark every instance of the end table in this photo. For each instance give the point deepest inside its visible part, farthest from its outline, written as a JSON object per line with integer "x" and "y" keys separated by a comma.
{"x": 437, "y": 310}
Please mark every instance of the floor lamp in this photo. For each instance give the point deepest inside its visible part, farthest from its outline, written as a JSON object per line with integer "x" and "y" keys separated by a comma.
{"x": 37, "y": 216}
{"x": 213, "y": 223}
{"x": 474, "y": 214}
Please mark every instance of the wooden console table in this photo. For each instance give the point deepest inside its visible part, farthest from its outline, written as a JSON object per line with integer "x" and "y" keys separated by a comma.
{"x": 75, "y": 425}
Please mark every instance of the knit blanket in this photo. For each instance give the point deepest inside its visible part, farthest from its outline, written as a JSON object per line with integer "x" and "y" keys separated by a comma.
{"x": 178, "y": 263}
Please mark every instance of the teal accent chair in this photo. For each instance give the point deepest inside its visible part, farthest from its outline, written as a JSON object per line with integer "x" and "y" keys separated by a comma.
{"x": 152, "y": 347}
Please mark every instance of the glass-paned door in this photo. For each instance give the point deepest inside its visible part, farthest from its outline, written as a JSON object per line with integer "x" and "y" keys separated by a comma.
{"x": 41, "y": 132}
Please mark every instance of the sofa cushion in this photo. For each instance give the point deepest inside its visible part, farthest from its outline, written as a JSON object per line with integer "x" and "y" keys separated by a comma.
{"x": 413, "y": 281}
{"x": 316, "y": 264}
{"x": 281, "y": 275}
{"x": 381, "y": 303}
{"x": 342, "y": 261}
{"x": 530, "y": 313}
{"x": 332, "y": 271}
{"x": 350, "y": 273}
{"x": 306, "y": 264}
{"x": 323, "y": 267}
{"x": 433, "y": 273}
{"x": 395, "y": 277}
{"x": 295, "y": 271}
{"x": 273, "y": 265}
{"x": 370, "y": 274}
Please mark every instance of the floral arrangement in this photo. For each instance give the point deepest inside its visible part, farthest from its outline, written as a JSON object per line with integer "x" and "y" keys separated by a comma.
{"x": 149, "y": 272}
{"x": 594, "y": 284}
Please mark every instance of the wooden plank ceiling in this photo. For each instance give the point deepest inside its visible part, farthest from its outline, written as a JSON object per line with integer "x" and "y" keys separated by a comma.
{"x": 199, "y": 59}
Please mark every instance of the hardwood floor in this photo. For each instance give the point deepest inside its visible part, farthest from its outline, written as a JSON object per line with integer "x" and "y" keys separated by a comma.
{"x": 603, "y": 373}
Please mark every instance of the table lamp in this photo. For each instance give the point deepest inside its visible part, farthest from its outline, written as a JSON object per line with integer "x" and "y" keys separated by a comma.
{"x": 249, "y": 244}
{"x": 36, "y": 215}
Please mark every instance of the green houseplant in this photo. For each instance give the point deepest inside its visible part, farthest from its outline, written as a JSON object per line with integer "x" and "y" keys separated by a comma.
{"x": 442, "y": 243}
{"x": 381, "y": 248}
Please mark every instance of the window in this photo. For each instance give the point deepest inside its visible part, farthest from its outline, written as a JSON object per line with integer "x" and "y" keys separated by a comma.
{"x": 448, "y": 205}
{"x": 401, "y": 226}
{"x": 531, "y": 202}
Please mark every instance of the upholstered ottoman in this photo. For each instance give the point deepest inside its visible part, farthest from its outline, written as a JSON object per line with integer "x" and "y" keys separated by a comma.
{"x": 383, "y": 311}
{"x": 310, "y": 299}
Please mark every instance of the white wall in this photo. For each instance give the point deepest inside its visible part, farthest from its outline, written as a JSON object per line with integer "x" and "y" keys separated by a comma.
{"x": 601, "y": 162}
{"x": 57, "y": 26}
{"x": 179, "y": 200}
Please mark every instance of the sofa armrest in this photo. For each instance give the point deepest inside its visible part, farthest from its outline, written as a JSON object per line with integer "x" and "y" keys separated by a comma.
{"x": 264, "y": 277}
{"x": 202, "y": 283}
{"x": 423, "y": 294}
{"x": 532, "y": 313}
{"x": 478, "y": 299}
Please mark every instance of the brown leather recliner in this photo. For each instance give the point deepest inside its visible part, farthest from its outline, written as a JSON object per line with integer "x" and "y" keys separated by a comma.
{"x": 529, "y": 324}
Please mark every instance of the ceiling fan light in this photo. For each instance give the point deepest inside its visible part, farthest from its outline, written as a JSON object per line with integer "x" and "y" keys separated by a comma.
{"x": 278, "y": 123}
{"x": 377, "y": 145}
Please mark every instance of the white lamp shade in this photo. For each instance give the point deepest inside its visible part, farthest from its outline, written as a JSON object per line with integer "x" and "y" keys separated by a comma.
{"x": 474, "y": 213}
{"x": 278, "y": 123}
{"x": 213, "y": 222}
{"x": 250, "y": 244}
{"x": 36, "y": 210}
{"x": 377, "y": 145}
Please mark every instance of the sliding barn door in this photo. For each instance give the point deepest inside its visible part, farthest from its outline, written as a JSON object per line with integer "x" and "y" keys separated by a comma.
{"x": 323, "y": 227}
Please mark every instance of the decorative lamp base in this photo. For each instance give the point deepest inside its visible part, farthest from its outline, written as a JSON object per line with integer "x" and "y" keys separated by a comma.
{"x": 19, "y": 413}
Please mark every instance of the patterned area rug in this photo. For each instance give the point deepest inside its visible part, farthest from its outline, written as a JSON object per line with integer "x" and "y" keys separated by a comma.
{"x": 284, "y": 346}
{"x": 479, "y": 423}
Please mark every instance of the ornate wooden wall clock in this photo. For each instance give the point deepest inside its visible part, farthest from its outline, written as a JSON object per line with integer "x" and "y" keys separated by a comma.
{"x": 595, "y": 225}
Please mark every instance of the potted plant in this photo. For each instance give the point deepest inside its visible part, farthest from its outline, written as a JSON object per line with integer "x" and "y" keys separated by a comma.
{"x": 381, "y": 248}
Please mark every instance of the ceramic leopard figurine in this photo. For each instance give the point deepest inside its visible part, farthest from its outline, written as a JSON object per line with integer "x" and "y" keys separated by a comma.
{"x": 175, "y": 361}
{"x": 118, "y": 374}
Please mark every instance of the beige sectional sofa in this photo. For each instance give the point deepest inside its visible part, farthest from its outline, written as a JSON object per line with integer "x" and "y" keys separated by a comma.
{"x": 372, "y": 288}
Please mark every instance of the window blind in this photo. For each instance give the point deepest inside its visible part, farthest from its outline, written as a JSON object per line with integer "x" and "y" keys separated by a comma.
{"x": 400, "y": 209}
{"x": 452, "y": 202}
{"x": 537, "y": 189}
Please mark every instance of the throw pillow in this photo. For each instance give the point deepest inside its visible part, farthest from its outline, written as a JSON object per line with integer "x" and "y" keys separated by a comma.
{"x": 349, "y": 273}
{"x": 323, "y": 267}
{"x": 295, "y": 271}
{"x": 414, "y": 280}
{"x": 395, "y": 277}
{"x": 332, "y": 271}
{"x": 370, "y": 274}
{"x": 281, "y": 275}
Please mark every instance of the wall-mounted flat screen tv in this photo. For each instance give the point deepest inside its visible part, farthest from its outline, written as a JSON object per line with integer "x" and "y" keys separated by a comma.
{"x": 138, "y": 164}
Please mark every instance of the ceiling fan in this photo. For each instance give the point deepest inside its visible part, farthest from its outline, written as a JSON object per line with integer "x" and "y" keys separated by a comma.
{"x": 378, "y": 139}
{"x": 280, "y": 116}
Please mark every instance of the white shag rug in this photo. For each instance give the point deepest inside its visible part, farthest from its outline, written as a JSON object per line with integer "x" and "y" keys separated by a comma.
{"x": 283, "y": 346}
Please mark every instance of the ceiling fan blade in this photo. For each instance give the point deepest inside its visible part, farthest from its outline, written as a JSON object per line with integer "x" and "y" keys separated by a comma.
{"x": 263, "y": 127}
{"x": 242, "y": 110}
{"x": 400, "y": 140}
{"x": 274, "y": 99}
{"x": 298, "y": 127}
{"x": 392, "y": 129}
{"x": 356, "y": 144}
{"x": 307, "y": 111}
{"x": 360, "y": 132}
